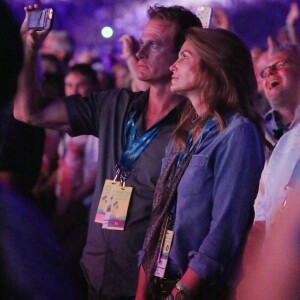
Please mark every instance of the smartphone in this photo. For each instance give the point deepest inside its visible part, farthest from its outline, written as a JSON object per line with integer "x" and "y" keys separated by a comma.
{"x": 40, "y": 19}
{"x": 204, "y": 14}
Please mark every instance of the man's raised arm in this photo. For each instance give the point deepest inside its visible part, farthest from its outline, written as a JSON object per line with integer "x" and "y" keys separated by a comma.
{"x": 30, "y": 105}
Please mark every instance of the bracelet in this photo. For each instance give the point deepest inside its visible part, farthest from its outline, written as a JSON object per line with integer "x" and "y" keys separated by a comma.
{"x": 182, "y": 288}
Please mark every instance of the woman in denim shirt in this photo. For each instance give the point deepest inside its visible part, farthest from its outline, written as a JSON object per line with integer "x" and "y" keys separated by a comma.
{"x": 210, "y": 173}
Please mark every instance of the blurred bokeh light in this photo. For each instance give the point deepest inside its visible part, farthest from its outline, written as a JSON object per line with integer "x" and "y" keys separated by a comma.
{"x": 252, "y": 20}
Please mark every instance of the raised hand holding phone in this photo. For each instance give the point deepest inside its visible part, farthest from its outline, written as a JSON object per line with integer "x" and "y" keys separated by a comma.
{"x": 40, "y": 19}
{"x": 33, "y": 38}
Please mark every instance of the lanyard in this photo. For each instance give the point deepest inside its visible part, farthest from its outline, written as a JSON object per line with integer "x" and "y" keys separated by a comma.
{"x": 134, "y": 147}
{"x": 190, "y": 145}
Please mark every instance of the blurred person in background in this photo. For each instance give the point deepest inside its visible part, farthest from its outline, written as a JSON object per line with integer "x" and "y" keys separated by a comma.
{"x": 276, "y": 269}
{"x": 75, "y": 180}
{"x": 121, "y": 75}
{"x": 30, "y": 263}
{"x": 21, "y": 145}
{"x": 61, "y": 44}
{"x": 288, "y": 33}
{"x": 105, "y": 79}
{"x": 220, "y": 18}
{"x": 286, "y": 37}
{"x": 76, "y": 176}
{"x": 259, "y": 59}
{"x": 52, "y": 84}
{"x": 281, "y": 82}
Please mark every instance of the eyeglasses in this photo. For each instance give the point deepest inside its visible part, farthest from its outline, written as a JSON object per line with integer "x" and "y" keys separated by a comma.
{"x": 275, "y": 67}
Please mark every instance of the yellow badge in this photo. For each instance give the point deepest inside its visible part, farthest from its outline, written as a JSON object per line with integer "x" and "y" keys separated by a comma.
{"x": 113, "y": 205}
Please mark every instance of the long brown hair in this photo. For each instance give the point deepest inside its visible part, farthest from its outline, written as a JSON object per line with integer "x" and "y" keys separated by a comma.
{"x": 228, "y": 81}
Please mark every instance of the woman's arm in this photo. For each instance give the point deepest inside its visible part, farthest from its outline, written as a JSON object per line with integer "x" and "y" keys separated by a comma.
{"x": 192, "y": 283}
{"x": 142, "y": 286}
{"x": 237, "y": 166}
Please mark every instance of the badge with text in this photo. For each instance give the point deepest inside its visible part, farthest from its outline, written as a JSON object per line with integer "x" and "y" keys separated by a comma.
{"x": 162, "y": 260}
{"x": 113, "y": 205}
{"x": 119, "y": 208}
{"x": 105, "y": 199}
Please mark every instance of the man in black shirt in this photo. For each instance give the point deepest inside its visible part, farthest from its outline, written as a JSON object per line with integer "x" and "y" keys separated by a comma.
{"x": 117, "y": 117}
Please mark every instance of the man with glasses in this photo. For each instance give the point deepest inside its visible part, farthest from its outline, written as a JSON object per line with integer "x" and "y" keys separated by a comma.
{"x": 280, "y": 85}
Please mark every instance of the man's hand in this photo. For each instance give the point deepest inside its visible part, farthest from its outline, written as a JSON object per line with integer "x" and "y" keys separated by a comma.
{"x": 32, "y": 39}
{"x": 127, "y": 46}
{"x": 293, "y": 14}
{"x": 272, "y": 45}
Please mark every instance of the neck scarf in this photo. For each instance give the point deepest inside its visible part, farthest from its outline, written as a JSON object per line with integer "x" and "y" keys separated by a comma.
{"x": 164, "y": 195}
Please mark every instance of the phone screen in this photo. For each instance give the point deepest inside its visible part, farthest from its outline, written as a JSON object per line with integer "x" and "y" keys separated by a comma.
{"x": 40, "y": 19}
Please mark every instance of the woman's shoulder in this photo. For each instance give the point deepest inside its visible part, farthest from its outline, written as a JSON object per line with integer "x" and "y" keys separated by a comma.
{"x": 236, "y": 121}
{"x": 240, "y": 131}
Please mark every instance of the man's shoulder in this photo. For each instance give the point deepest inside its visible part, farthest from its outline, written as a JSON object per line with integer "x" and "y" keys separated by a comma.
{"x": 100, "y": 98}
{"x": 120, "y": 94}
{"x": 106, "y": 104}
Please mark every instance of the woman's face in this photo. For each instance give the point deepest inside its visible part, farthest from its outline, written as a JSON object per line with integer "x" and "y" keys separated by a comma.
{"x": 186, "y": 72}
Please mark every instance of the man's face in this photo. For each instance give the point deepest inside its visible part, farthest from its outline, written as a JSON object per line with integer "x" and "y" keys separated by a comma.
{"x": 157, "y": 52}
{"x": 281, "y": 80}
{"x": 76, "y": 83}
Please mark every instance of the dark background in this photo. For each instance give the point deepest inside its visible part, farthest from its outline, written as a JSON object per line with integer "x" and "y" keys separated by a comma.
{"x": 252, "y": 20}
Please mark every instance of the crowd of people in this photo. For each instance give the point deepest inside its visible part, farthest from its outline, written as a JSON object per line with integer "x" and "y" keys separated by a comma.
{"x": 175, "y": 176}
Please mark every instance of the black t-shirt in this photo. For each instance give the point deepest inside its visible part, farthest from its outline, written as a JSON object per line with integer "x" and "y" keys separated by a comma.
{"x": 110, "y": 256}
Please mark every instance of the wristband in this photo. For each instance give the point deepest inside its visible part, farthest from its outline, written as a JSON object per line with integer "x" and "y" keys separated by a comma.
{"x": 182, "y": 288}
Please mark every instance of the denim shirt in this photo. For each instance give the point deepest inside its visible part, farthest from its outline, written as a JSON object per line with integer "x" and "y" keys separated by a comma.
{"x": 215, "y": 201}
